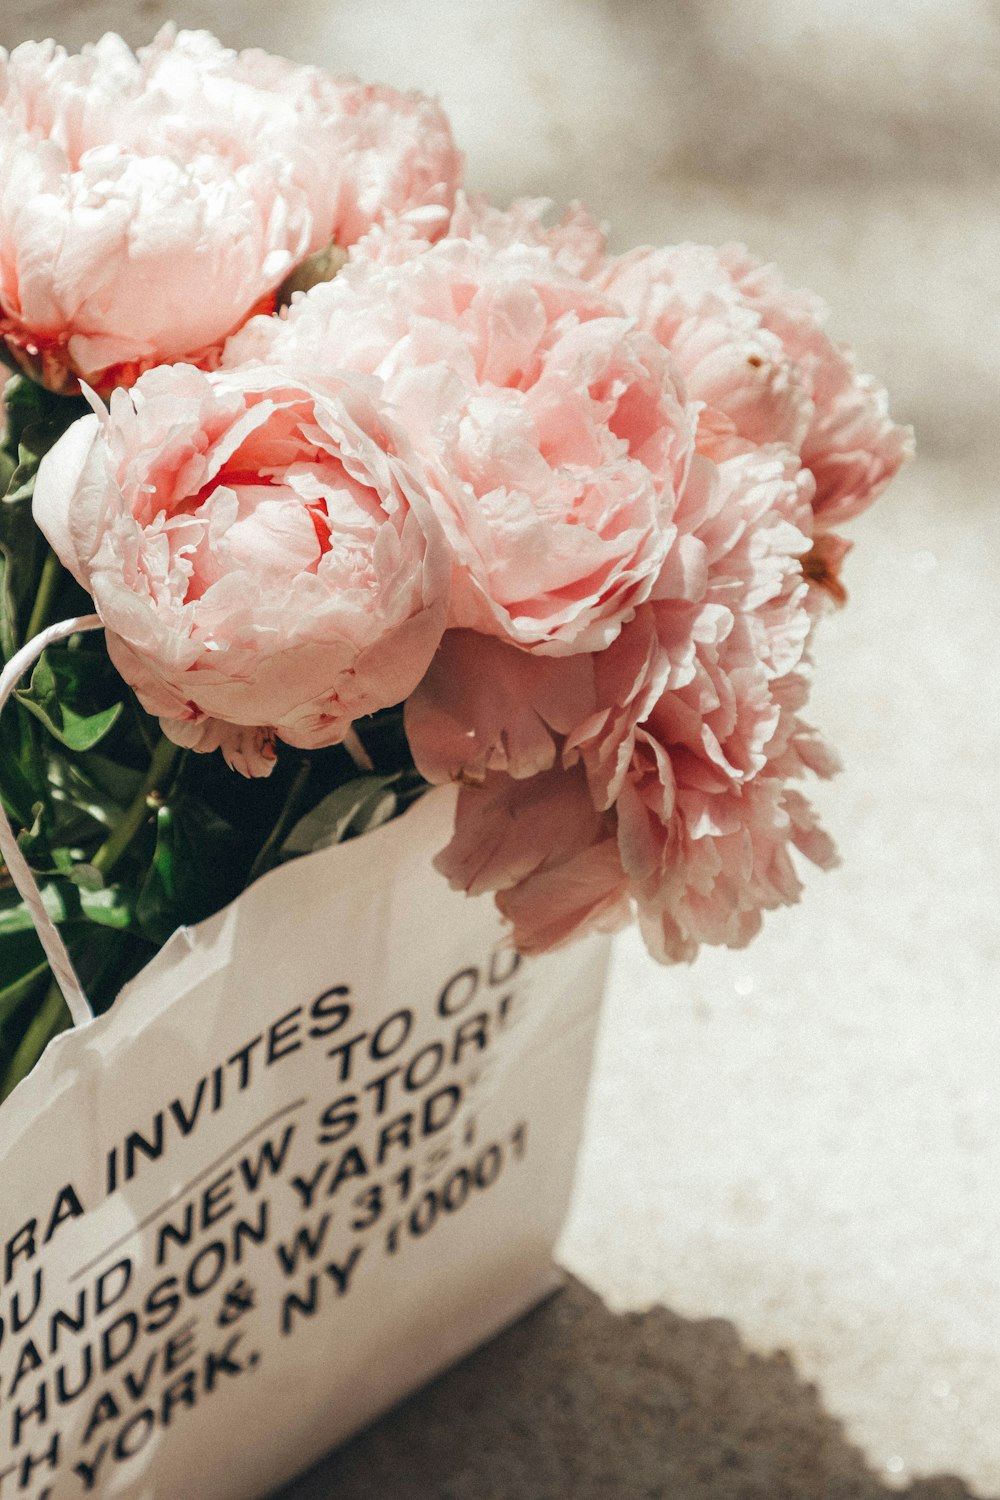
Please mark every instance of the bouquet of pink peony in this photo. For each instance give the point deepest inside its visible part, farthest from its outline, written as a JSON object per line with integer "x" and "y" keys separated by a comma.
{"x": 372, "y": 487}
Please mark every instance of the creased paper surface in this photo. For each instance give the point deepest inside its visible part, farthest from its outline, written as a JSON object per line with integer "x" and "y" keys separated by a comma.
{"x": 320, "y": 1148}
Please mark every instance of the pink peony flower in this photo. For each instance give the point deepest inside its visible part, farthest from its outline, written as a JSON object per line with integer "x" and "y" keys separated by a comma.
{"x": 554, "y": 435}
{"x": 389, "y": 154}
{"x": 259, "y": 552}
{"x": 685, "y": 745}
{"x": 485, "y": 705}
{"x": 706, "y": 813}
{"x": 852, "y": 446}
{"x": 363, "y": 154}
{"x": 737, "y": 369}
{"x": 576, "y": 242}
{"x": 550, "y": 856}
{"x": 150, "y": 204}
{"x": 755, "y": 353}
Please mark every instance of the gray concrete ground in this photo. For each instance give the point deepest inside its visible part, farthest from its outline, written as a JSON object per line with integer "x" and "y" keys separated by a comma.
{"x": 788, "y": 1208}
{"x": 577, "y": 1401}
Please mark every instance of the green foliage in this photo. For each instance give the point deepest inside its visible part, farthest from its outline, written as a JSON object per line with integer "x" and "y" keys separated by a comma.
{"x": 22, "y": 550}
{"x": 61, "y": 695}
{"x": 354, "y": 808}
{"x": 194, "y": 871}
{"x": 35, "y": 421}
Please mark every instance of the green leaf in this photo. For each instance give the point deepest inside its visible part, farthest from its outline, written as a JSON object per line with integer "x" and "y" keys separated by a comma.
{"x": 110, "y": 907}
{"x": 36, "y": 419}
{"x": 20, "y": 952}
{"x": 67, "y": 903}
{"x": 23, "y": 549}
{"x": 113, "y": 783}
{"x": 90, "y": 796}
{"x": 15, "y": 916}
{"x": 61, "y": 696}
{"x": 195, "y": 870}
{"x": 25, "y": 402}
{"x": 111, "y": 960}
{"x": 50, "y": 1017}
{"x": 18, "y": 990}
{"x": 75, "y": 731}
{"x": 18, "y": 793}
{"x": 21, "y": 485}
{"x": 354, "y": 808}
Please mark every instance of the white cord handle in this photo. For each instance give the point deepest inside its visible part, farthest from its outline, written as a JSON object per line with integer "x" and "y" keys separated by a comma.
{"x": 55, "y": 949}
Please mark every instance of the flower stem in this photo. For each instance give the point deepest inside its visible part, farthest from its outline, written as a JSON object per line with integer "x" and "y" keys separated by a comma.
{"x": 121, "y": 837}
{"x": 49, "y": 1019}
{"x": 12, "y": 996}
{"x": 356, "y": 750}
{"x": 48, "y": 585}
{"x": 285, "y": 819}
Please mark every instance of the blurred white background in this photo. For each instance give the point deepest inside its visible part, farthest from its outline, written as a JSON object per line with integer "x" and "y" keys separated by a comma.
{"x": 804, "y": 1138}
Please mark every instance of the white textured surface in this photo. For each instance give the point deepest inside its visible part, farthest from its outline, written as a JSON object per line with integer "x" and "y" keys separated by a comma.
{"x": 805, "y": 1138}
{"x": 812, "y": 1128}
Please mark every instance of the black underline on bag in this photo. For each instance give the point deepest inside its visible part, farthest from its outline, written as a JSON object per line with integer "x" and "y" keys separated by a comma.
{"x": 183, "y": 1192}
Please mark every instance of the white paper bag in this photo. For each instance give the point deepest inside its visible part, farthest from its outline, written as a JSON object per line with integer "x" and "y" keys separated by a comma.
{"x": 320, "y": 1148}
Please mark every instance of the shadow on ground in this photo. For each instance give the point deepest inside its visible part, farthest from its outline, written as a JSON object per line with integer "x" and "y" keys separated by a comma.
{"x": 577, "y": 1402}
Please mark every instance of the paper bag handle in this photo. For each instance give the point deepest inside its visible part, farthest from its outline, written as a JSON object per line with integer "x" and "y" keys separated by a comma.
{"x": 48, "y": 933}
